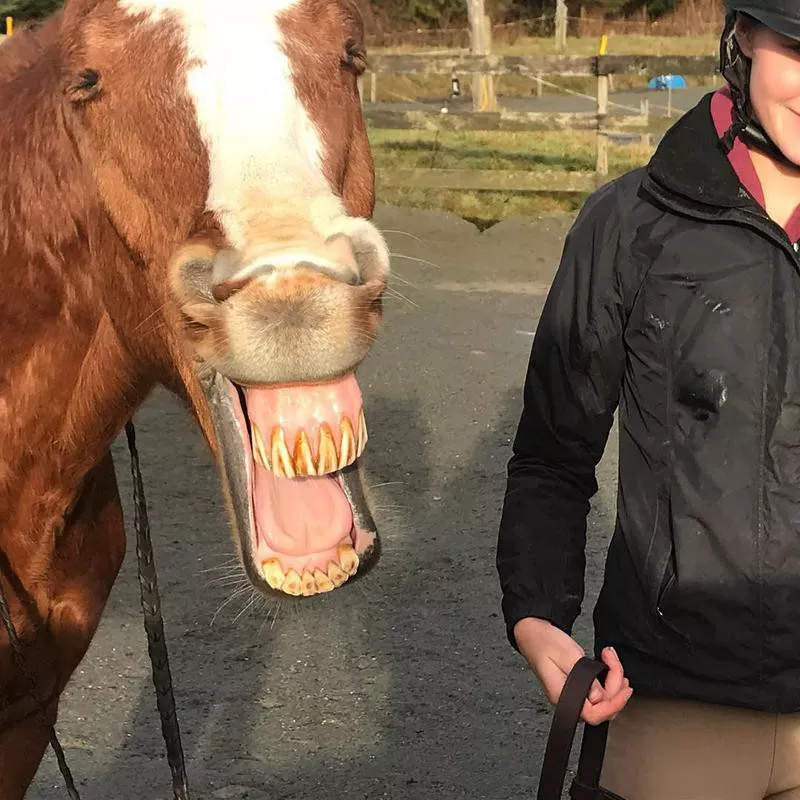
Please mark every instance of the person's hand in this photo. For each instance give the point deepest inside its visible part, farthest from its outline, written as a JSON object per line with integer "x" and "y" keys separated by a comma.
{"x": 552, "y": 654}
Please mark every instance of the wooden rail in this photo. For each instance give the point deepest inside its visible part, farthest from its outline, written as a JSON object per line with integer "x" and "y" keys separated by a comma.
{"x": 464, "y": 63}
{"x": 532, "y": 66}
{"x": 535, "y": 67}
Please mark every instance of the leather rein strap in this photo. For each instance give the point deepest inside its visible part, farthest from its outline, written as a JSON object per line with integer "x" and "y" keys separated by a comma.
{"x": 562, "y": 733}
{"x": 156, "y": 644}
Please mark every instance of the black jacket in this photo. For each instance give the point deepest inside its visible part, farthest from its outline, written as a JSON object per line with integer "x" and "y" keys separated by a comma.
{"x": 678, "y": 300}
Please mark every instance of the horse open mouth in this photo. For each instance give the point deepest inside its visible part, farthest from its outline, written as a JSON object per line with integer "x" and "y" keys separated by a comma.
{"x": 290, "y": 462}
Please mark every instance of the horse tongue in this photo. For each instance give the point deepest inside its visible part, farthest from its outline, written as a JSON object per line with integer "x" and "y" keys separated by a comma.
{"x": 299, "y": 515}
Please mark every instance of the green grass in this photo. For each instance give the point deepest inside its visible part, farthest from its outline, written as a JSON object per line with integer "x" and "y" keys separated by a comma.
{"x": 518, "y": 151}
{"x": 495, "y": 150}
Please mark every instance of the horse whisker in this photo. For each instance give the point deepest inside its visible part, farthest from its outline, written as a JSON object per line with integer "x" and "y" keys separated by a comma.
{"x": 419, "y": 260}
{"x": 236, "y": 594}
{"x": 406, "y": 233}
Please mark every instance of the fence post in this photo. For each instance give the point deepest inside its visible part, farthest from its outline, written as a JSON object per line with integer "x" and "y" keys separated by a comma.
{"x": 601, "y": 165}
{"x": 9, "y": 26}
{"x": 480, "y": 29}
{"x": 561, "y": 26}
{"x": 373, "y": 87}
{"x": 539, "y": 84}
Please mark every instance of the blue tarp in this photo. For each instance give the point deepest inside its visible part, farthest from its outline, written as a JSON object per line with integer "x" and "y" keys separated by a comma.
{"x": 667, "y": 82}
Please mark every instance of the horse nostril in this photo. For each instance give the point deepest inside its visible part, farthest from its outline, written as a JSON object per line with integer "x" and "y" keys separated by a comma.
{"x": 230, "y": 281}
{"x": 225, "y": 290}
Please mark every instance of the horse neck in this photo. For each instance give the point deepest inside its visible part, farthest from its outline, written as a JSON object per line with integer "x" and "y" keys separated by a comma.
{"x": 69, "y": 386}
{"x": 69, "y": 379}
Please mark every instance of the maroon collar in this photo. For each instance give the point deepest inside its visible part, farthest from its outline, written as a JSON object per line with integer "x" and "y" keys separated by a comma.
{"x": 740, "y": 160}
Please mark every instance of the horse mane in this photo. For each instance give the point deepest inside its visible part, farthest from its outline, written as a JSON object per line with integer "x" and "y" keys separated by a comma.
{"x": 43, "y": 203}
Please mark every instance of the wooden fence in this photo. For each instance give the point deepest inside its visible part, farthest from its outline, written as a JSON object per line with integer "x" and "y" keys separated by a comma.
{"x": 535, "y": 68}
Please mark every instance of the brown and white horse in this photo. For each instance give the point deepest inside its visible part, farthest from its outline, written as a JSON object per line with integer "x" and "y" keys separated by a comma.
{"x": 185, "y": 188}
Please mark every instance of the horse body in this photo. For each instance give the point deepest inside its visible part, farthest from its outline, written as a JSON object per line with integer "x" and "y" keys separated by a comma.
{"x": 186, "y": 203}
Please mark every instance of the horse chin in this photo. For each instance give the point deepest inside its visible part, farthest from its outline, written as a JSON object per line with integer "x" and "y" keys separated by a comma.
{"x": 302, "y": 527}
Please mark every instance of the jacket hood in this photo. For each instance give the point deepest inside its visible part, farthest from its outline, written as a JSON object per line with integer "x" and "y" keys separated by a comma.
{"x": 691, "y": 162}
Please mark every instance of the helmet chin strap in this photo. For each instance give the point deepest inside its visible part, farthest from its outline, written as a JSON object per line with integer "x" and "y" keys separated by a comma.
{"x": 735, "y": 68}
{"x": 753, "y": 134}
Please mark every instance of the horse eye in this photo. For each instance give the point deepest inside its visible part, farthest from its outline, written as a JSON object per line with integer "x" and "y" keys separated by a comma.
{"x": 89, "y": 79}
{"x": 85, "y": 86}
{"x": 355, "y": 58}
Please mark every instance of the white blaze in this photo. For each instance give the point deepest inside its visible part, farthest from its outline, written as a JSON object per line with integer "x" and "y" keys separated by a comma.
{"x": 260, "y": 139}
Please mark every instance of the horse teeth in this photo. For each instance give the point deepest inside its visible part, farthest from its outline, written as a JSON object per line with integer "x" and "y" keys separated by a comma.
{"x": 273, "y": 573}
{"x": 292, "y": 585}
{"x": 336, "y": 575}
{"x": 281, "y": 461}
{"x": 309, "y": 584}
{"x": 347, "y": 447}
{"x": 302, "y": 463}
{"x": 324, "y": 582}
{"x": 328, "y": 458}
{"x": 362, "y": 433}
{"x": 303, "y": 457}
{"x": 259, "y": 450}
{"x": 348, "y": 558}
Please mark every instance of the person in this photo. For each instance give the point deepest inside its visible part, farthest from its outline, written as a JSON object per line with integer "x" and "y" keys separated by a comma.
{"x": 676, "y": 304}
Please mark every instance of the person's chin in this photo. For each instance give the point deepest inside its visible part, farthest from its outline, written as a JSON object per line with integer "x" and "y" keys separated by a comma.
{"x": 788, "y": 139}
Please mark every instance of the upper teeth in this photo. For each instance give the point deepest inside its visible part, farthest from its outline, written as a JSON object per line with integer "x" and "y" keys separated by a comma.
{"x": 276, "y": 456}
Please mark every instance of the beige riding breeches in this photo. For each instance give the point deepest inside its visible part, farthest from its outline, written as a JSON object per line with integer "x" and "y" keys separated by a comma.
{"x": 661, "y": 749}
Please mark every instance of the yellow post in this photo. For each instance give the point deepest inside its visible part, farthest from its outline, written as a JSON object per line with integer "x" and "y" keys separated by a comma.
{"x": 603, "y": 45}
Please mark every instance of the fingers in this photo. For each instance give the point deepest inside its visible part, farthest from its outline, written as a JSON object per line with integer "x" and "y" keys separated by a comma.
{"x": 615, "y": 673}
{"x": 552, "y": 654}
{"x": 614, "y": 678}
{"x": 606, "y": 703}
{"x": 596, "y": 692}
{"x": 605, "y": 710}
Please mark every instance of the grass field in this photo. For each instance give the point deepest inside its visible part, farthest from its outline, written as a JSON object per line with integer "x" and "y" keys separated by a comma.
{"x": 496, "y": 150}
{"x": 518, "y": 151}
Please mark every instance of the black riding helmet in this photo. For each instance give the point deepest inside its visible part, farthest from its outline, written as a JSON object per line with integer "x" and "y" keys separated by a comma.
{"x": 782, "y": 16}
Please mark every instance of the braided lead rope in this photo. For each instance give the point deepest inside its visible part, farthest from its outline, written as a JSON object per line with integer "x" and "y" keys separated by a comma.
{"x": 22, "y": 666}
{"x": 154, "y": 625}
{"x": 156, "y": 644}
